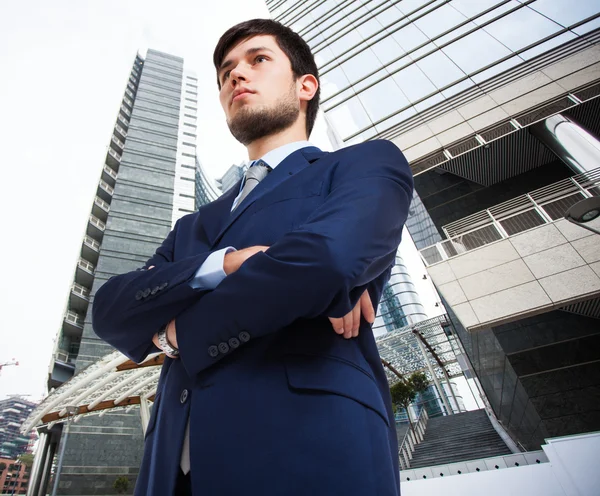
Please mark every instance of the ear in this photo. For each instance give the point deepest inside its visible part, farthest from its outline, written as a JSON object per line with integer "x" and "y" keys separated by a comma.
{"x": 307, "y": 87}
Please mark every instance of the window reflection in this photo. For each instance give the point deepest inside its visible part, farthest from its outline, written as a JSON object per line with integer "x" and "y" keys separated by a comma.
{"x": 566, "y": 13}
{"x": 349, "y": 118}
{"x": 440, "y": 69}
{"x": 409, "y": 37}
{"x": 521, "y": 28}
{"x": 383, "y": 99}
{"x": 471, "y": 8}
{"x": 413, "y": 83}
{"x": 475, "y": 51}
{"x": 360, "y": 65}
{"x": 387, "y": 50}
{"x": 332, "y": 82}
{"x": 440, "y": 20}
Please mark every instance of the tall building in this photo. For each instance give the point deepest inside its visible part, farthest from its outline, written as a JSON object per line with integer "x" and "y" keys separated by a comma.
{"x": 206, "y": 189}
{"x": 147, "y": 182}
{"x": 231, "y": 176}
{"x": 13, "y": 412}
{"x": 494, "y": 104}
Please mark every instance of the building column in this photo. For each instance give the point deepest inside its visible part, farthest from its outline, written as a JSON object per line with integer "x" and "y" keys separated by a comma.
{"x": 39, "y": 461}
{"x": 569, "y": 141}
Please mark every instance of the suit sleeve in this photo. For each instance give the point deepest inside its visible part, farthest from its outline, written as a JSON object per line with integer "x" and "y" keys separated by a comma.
{"x": 129, "y": 308}
{"x": 347, "y": 242}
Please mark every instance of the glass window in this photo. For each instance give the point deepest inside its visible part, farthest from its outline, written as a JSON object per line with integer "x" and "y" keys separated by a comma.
{"x": 387, "y": 50}
{"x": 441, "y": 19}
{"x": 566, "y": 13}
{"x": 475, "y": 51}
{"x": 547, "y": 45}
{"x": 371, "y": 80}
{"x": 383, "y": 99}
{"x": 323, "y": 56}
{"x": 349, "y": 118}
{"x": 369, "y": 28}
{"x": 471, "y": 8}
{"x": 332, "y": 82}
{"x": 497, "y": 69}
{"x": 395, "y": 119}
{"x": 347, "y": 41}
{"x": 389, "y": 16}
{"x": 408, "y": 6}
{"x": 440, "y": 69}
{"x": 587, "y": 27}
{"x": 521, "y": 28}
{"x": 413, "y": 83}
{"x": 429, "y": 102}
{"x": 360, "y": 65}
{"x": 409, "y": 37}
{"x": 457, "y": 88}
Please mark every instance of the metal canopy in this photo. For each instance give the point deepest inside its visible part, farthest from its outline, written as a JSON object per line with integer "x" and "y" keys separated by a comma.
{"x": 113, "y": 382}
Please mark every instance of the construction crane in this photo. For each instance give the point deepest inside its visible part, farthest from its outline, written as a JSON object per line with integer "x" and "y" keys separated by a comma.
{"x": 6, "y": 364}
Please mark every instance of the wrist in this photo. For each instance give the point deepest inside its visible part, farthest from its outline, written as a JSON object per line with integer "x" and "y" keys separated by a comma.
{"x": 165, "y": 344}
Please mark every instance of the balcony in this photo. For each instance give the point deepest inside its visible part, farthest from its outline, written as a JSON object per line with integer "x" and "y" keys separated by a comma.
{"x": 109, "y": 175}
{"x": 129, "y": 93}
{"x": 123, "y": 120}
{"x": 119, "y": 131}
{"x": 128, "y": 102}
{"x": 117, "y": 144}
{"x": 113, "y": 158}
{"x": 125, "y": 110}
{"x": 72, "y": 324}
{"x": 90, "y": 249}
{"x": 95, "y": 227}
{"x": 62, "y": 368}
{"x": 519, "y": 258}
{"x": 84, "y": 273}
{"x": 105, "y": 191}
{"x": 132, "y": 80}
{"x": 79, "y": 298}
{"x": 131, "y": 87}
{"x": 100, "y": 209}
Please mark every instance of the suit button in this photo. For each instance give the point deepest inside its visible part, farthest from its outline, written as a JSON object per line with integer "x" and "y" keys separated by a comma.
{"x": 213, "y": 351}
{"x": 163, "y": 285}
{"x": 155, "y": 290}
{"x": 184, "y": 396}
{"x": 234, "y": 343}
{"x": 146, "y": 292}
{"x": 139, "y": 295}
{"x": 244, "y": 337}
{"x": 223, "y": 348}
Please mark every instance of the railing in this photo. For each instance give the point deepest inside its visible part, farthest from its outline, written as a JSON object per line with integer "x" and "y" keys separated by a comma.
{"x": 542, "y": 206}
{"x": 412, "y": 437}
{"x": 117, "y": 141}
{"x": 80, "y": 290}
{"x": 128, "y": 101}
{"x": 106, "y": 187}
{"x": 121, "y": 131}
{"x": 95, "y": 221}
{"x": 129, "y": 93}
{"x": 110, "y": 171}
{"x": 123, "y": 120}
{"x": 125, "y": 110}
{"x": 85, "y": 265}
{"x": 114, "y": 155}
{"x": 102, "y": 204}
{"x": 64, "y": 356}
{"x": 91, "y": 242}
{"x": 73, "y": 318}
{"x": 131, "y": 86}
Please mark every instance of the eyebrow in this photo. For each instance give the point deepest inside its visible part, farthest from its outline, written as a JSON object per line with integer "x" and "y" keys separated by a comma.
{"x": 250, "y": 51}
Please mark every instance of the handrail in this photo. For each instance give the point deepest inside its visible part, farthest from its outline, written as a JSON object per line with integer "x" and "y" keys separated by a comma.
{"x": 117, "y": 141}
{"x": 80, "y": 290}
{"x": 414, "y": 435}
{"x": 73, "y": 318}
{"x": 542, "y": 206}
{"x": 97, "y": 222}
{"x": 106, "y": 187}
{"x": 88, "y": 240}
{"x": 84, "y": 264}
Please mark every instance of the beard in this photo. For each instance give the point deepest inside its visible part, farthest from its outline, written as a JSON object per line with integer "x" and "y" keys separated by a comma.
{"x": 250, "y": 124}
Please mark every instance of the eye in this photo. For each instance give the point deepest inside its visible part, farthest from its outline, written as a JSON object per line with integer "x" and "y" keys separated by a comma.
{"x": 257, "y": 59}
{"x": 226, "y": 75}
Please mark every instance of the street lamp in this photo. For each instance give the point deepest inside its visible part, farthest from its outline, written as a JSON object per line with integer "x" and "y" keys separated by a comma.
{"x": 585, "y": 211}
{"x": 71, "y": 410}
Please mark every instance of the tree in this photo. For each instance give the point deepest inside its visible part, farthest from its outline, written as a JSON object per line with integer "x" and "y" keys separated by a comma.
{"x": 26, "y": 459}
{"x": 121, "y": 484}
{"x": 405, "y": 391}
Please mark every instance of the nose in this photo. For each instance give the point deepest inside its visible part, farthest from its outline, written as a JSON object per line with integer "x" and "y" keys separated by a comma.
{"x": 237, "y": 74}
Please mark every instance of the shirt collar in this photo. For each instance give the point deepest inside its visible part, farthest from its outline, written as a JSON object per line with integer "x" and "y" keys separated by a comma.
{"x": 278, "y": 155}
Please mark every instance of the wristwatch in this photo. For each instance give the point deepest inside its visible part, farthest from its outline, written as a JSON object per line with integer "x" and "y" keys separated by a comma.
{"x": 164, "y": 343}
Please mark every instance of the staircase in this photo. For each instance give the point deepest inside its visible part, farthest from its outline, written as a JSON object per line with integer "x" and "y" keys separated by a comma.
{"x": 458, "y": 438}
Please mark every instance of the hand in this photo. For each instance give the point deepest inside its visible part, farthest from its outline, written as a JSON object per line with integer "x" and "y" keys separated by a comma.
{"x": 348, "y": 325}
{"x": 171, "y": 337}
{"x": 235, "y": 259}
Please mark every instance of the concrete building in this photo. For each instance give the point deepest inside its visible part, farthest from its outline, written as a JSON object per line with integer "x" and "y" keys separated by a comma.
{"x": 147, "y": 182}
{"x": 231, "y": 177}
{"x": 13, "y": 412}
{"x": 494, "y": 103}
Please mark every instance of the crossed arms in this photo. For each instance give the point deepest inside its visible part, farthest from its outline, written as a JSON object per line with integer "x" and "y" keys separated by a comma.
{"x": 320, "y": 269}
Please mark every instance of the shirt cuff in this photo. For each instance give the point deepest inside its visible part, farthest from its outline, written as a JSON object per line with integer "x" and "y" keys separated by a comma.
{"x": 211, "y": 272}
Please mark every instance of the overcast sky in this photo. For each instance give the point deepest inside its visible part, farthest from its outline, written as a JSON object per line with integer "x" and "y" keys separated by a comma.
{"x": 64, "y": 67}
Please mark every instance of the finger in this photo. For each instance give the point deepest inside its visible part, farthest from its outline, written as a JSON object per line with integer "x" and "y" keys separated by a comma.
{"x": 355, "y": 319}
{"x": 151, "y": 267}
{"x": 367, "y": 309}
{"x": 348, "y": 323}
{"x": 338, "y": 325}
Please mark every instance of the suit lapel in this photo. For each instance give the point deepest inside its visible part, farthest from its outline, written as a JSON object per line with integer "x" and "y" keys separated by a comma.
{"x": 217, "y": 213}
{"x": 291, "y": 165}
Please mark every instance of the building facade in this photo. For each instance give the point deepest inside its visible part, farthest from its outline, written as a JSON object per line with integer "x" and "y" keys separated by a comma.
{"x": 14, "y": 476}
{"x": 13, "y": 412}
{"x": 147, "y": 182}
{"x": 494, "y": 104}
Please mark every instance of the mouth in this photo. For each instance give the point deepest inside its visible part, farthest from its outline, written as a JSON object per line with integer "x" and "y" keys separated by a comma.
{"x": 240, "y": 95}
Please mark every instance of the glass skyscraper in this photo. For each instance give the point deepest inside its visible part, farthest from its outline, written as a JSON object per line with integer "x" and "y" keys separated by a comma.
{"x": 147, "y": 182}
{"x": 494, "y": 103}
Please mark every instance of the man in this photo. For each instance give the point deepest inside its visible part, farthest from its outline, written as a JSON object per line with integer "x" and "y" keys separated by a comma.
{"x": 259, "y": 395}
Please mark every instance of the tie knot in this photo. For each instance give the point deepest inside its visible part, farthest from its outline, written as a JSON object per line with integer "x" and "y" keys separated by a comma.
{"x": 258, "y": 170}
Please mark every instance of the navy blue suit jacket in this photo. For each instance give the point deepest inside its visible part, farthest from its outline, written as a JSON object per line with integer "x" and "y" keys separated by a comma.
{"x": 279, "y": 403}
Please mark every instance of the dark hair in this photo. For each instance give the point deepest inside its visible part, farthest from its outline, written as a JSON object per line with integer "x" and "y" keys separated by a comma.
{"x": 291, "y": 43}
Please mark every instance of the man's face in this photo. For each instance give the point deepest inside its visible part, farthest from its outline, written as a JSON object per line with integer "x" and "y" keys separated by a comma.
{"x": 258, "y": 92}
